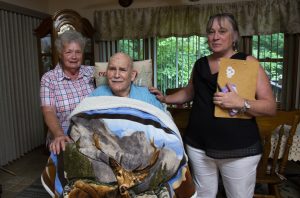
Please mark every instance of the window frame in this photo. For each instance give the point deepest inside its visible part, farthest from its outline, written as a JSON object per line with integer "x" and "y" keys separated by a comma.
{"x": 279, "y": 60}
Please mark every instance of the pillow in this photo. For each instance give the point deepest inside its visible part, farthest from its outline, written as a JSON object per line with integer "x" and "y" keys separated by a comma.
{"x": 143, "y": 68}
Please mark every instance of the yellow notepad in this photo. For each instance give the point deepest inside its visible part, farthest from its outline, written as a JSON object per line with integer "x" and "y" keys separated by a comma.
{"x": 243, "y": 75}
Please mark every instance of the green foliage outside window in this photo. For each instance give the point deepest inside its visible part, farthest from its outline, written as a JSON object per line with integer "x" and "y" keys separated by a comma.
{"x": 268, "y": 49}
{"x": 134, "y": 48}
{"x": 176, "y": 58}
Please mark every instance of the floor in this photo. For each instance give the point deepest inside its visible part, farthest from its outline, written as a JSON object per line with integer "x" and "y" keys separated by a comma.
{"x": 28, "y": 168}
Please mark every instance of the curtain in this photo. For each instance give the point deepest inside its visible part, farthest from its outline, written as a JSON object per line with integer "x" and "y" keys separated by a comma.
{"x": 21, "y": 123}
{"x": 245, "y": 44}
{"x": 291, "y": 70}
{"x": 254, "y": 17}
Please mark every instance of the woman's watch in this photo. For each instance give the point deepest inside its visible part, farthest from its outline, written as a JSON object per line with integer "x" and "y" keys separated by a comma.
{"x": 246, "y": 106}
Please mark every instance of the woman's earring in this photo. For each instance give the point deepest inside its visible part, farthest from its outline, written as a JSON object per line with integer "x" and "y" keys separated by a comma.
{"x": 234, "y": 46}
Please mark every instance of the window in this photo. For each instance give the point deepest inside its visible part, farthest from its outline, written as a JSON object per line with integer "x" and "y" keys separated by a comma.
{"x": 175, "y": 57}
{"x": 134, "y": 48}
{"x": 268, "y": 49}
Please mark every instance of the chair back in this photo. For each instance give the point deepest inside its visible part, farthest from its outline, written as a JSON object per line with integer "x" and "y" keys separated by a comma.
{"x": 179, "y": 112}
{"x": 277, "y": 136}
{"x": 180, "y": 117}
{"x": 184, "y": 105}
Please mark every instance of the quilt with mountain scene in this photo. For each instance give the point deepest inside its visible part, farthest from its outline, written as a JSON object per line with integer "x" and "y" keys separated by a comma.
{"x": 120, "y": 147}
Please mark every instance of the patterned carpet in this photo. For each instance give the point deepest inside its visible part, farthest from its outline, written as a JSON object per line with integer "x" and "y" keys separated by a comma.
{"x": 35, "y": 190}
{"x": 289, "y": 189}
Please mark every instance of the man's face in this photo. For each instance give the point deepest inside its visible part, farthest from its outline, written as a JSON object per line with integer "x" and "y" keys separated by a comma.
{"x": 120, "y": 75}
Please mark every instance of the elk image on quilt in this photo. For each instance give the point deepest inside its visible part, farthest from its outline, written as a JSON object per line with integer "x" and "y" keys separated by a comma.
{"x": 120, "y": 147}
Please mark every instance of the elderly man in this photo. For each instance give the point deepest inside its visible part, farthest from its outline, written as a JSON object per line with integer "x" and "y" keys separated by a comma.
{"x": 121, "y": 142}
{"x": 120, "y": 75}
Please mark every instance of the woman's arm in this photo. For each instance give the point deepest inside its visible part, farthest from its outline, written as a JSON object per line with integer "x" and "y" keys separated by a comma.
{"x": 185, "y": 94}
{"x": 264, "y": 105}
{"x": 55, "y": 128}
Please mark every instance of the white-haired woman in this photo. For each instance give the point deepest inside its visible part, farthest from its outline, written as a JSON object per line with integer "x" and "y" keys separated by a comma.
{"x": 64, "y": 87}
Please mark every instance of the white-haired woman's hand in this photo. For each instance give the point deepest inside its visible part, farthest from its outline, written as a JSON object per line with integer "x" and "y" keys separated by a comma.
{"x": 59, "y": 144}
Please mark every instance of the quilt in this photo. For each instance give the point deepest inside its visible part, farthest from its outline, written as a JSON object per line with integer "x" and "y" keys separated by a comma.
{"x": 120, "y": 147}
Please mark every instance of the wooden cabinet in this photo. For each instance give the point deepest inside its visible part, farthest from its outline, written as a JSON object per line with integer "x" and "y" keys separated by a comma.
{"x": 51, "y": 27}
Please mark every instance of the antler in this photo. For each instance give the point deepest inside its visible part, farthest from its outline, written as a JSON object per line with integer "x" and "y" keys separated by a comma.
{"x": 152, "y": 160}
{"x": 127, "y": 179}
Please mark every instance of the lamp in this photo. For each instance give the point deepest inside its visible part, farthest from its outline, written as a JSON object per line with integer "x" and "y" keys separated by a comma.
{"x": 125, "y": 3}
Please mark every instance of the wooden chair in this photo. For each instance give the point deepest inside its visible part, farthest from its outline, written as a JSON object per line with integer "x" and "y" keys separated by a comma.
{"x": 271, "y": 168}
{"x": 179, "y": 112}
{"x": 180, "y": 117}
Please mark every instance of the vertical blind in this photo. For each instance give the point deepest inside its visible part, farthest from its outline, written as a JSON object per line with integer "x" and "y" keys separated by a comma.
{"x": 21, "y": 121}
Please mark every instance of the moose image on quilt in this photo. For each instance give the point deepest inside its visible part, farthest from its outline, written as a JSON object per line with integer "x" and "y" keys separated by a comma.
{"x": 121, "y": 148}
